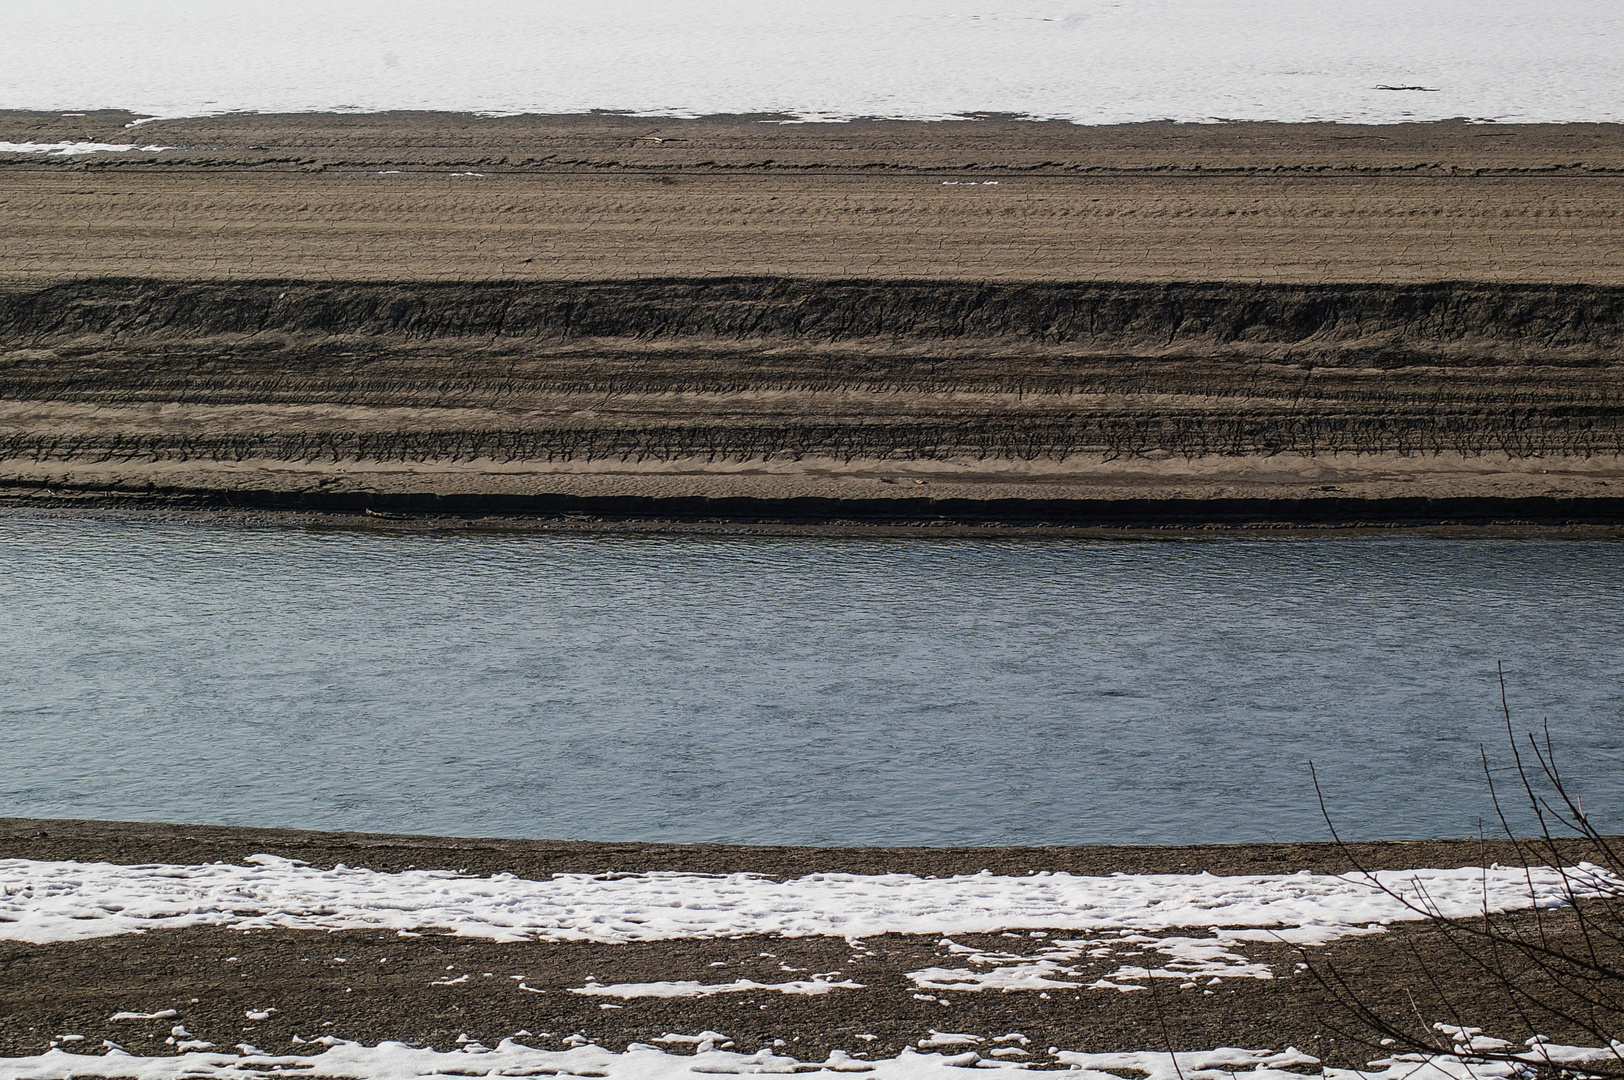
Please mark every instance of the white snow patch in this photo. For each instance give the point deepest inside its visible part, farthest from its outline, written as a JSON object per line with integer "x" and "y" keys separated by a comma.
{"x": 1090, "y": 61}
{"x": 686, "y": 989}
{"x": 1057, "y": 965}
{"x": 1217, "y": 1064}
{"x": 345, "y": 1060}
{"x": 161, "y": 1014}
{"x": 938, "y": 1039}
{"x": 43, "y": 902}
{"x": 73, "y": 149}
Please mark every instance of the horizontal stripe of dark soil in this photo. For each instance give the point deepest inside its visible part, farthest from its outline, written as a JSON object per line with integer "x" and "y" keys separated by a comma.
{"x": 371, "y": 986}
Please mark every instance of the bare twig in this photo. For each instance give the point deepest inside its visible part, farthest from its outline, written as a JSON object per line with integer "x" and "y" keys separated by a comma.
{"x": 1546, "y": 969}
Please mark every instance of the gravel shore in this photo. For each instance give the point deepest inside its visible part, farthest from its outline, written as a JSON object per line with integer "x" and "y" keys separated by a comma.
{"x": 268, "y": 987}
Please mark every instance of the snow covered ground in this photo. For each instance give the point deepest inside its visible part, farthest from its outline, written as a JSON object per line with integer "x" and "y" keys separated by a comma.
{"x": 1090, "y": 61}
{"x": 397, "y": 1061}
{"x": 43, "y": 901}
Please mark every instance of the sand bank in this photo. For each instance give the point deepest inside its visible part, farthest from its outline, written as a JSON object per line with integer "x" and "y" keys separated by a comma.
{"x": 988, "y": 321}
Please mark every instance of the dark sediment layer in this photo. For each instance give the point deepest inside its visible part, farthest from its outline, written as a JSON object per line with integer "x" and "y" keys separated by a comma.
{"x": 797, "y": 514}
{"x": 637, "y": 375}
{"x": 1384, "y": 324}
{"x": 134, "y": 842}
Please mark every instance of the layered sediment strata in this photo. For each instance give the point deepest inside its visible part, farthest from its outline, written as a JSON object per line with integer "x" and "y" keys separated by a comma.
{"x": 746, "y": 320}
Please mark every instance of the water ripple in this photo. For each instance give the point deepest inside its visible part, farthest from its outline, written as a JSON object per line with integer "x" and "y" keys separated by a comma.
{"x": 792, "y": 690}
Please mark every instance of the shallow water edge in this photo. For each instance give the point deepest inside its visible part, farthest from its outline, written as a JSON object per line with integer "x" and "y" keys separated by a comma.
{"x": 228, "y": 513}
{"x": 144, "y": 842}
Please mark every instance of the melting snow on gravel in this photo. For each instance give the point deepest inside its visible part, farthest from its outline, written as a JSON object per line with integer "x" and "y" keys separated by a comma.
{"x": 73, "y": 149}
{"x": 1053, "y": 966}
{"x": 397, "y": 1061}
{"x": 688, "y": 989}
{"x": 43, "y": 902}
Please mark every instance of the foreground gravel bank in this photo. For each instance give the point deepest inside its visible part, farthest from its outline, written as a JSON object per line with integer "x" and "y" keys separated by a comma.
{"x": 1085, "y": 990}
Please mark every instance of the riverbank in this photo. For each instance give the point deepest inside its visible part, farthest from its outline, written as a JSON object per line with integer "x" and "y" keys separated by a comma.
{"x": 900, "y": 324}
{"x": 813, "y": 402}
{"x": 129, "y": 842}
{"x": 820, "y": 993}
{"x": 55, "y": 505}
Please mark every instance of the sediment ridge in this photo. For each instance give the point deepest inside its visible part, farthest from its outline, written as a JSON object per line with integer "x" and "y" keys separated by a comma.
{"x": 821, "y": 399}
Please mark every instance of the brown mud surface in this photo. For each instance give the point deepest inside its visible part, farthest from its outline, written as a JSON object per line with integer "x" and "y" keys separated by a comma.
{"x": 897, "y": 323}
{"x": 131, "y": 843}
{"x": 414, "y": 197}
{"x": 372, "y": 985}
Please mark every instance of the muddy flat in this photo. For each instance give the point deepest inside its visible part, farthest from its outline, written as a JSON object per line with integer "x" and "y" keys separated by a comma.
{"x": 427, "y": 197}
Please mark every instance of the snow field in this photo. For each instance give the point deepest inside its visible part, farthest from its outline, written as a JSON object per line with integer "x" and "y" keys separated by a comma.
{"x": 42, "y": 902}
{"x": 45, "y": 901}
{"x": 1088, "y": 61}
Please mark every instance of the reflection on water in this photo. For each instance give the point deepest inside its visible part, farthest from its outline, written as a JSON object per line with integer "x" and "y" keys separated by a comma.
{"x": 831, "y": 691}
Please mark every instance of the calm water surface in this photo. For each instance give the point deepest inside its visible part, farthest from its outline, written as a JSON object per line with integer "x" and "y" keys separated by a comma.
{"x": 793, "y": 690}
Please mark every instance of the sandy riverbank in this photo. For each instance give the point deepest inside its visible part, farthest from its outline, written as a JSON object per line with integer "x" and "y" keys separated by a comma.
{"x": 896, "y": 323}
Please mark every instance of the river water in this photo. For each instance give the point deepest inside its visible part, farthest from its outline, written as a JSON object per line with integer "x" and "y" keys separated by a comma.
{"x": 795, "y": 690}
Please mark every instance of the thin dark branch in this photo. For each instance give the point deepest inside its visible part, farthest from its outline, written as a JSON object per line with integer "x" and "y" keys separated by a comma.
{"x": 1565, "y": 969}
